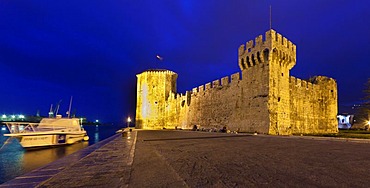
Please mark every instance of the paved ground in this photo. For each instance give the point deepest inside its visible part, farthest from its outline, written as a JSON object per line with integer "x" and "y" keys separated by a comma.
{"x": 172, "y": 159}
{"x": 199, "y": 159}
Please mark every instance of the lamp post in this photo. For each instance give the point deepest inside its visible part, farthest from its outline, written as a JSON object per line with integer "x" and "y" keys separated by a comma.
{"x": 128, "y": 122}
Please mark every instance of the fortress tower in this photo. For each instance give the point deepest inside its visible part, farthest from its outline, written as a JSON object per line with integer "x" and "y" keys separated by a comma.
{"x": 278, "y": 56}
{"x": 264, "y": 98}
{"x": 153, "y": 90}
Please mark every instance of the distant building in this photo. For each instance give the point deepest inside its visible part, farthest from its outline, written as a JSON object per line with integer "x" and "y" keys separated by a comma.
{"x": 19, "y": 117}
{"x": 345, "y": 121}
{"x": 262, "y": 98}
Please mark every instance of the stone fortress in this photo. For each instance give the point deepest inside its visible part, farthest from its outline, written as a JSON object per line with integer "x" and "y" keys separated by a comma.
{"x": 263, "y": 98}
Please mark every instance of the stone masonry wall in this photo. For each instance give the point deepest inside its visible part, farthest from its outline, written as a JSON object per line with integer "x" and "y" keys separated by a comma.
{"x": 313, "y": 105}
{"x": 241, "y": 105}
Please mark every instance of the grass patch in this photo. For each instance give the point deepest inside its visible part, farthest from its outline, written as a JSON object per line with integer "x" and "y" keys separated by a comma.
{"x": 354, "y": 131}
{"x": 362, "y": 134}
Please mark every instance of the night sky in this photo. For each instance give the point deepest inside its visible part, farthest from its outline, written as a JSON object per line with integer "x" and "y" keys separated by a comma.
{"x": 93, "y": 49}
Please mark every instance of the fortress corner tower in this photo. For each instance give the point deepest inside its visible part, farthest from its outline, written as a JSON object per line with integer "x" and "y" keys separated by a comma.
{"x": 154, "y": 87}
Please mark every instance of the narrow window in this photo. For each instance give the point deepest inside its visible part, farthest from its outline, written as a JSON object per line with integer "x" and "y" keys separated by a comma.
{"x": 248, "y": 62}
{"x": 266, "y": 55}
{"x": 259, "y": 57}
{"x": 243, "y": 65}
{"x": 253, "y": 60}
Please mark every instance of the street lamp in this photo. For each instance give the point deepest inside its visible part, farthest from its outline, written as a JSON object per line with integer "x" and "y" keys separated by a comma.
{"x": 128, "y": 122}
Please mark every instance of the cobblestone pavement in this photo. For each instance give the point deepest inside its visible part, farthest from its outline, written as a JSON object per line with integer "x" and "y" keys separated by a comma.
{"x": 199, "y": 159}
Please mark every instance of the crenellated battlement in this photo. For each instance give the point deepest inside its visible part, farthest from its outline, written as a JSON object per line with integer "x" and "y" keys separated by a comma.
{"x": 257, "y": 51}
{"x": 219, "y": 83}
{"x": 225, "y": 80}
{"x": 272, "y": 39}
{"x": 201, "y": 88}
{"x": 299, "y": 83}
{"x": 159, "y": 71}
{"x": 216, "y": 83}
{"x": 312, "y": 82}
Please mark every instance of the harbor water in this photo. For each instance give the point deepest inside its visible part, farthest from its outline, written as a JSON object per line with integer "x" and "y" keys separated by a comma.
{"x": 15, "y": 161}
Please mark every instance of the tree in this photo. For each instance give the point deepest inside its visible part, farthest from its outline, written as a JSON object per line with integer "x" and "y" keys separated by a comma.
{"x": 367, "y": 91}
{"x": 364, "y": 111}
{"x": 366, "y": 103}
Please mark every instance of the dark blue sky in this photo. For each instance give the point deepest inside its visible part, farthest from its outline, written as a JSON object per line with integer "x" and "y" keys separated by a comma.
{"x": 92, "y": 49}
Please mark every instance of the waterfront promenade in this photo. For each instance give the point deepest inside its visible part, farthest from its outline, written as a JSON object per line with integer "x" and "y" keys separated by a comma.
{"x": 201, "y": 159}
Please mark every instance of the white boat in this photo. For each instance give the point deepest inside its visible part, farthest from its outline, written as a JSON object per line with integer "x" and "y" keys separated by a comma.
{"x": 49, "y": 132}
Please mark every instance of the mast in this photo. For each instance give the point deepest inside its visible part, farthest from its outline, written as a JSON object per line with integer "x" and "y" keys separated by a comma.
{"x": 70, "y": 105}
{"x": 270, "y": 18}
{"x": 51, "y": 113}
{"x": 57, "y": 108}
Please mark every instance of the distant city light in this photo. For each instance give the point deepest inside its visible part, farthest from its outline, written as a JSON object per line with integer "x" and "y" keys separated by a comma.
{"x": 3, "y": 116}
{"x": 21, "y": 116}
{"x": 13, "y": 116}
{"x": 97, "y": 121}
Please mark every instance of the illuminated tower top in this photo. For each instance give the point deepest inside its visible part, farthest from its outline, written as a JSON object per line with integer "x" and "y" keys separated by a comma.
{"x": 259, "y": 50}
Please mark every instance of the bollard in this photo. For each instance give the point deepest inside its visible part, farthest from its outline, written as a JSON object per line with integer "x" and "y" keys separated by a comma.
{"x": 124, "y": 134}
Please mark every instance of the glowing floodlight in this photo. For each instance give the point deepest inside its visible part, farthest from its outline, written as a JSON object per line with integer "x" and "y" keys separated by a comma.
{"x": 128, "y": 121}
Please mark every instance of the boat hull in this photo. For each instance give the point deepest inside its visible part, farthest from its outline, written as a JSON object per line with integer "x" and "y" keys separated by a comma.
{"x": 49, "y": 132}
{"x": 28, "y": 141}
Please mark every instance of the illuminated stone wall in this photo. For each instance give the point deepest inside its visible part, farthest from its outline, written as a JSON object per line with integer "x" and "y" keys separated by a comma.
{"x": 263, "y": 97}
{"x": 240, "y": 105}
{"x": 314, "y": 105}
{"x": 154, "y": 88}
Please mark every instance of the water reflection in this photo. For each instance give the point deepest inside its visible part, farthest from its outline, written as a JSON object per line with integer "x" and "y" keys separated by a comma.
{"x": 40, "y": 157}
{"x": 15, "y": 161}
{"x": 96, "y": 135}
